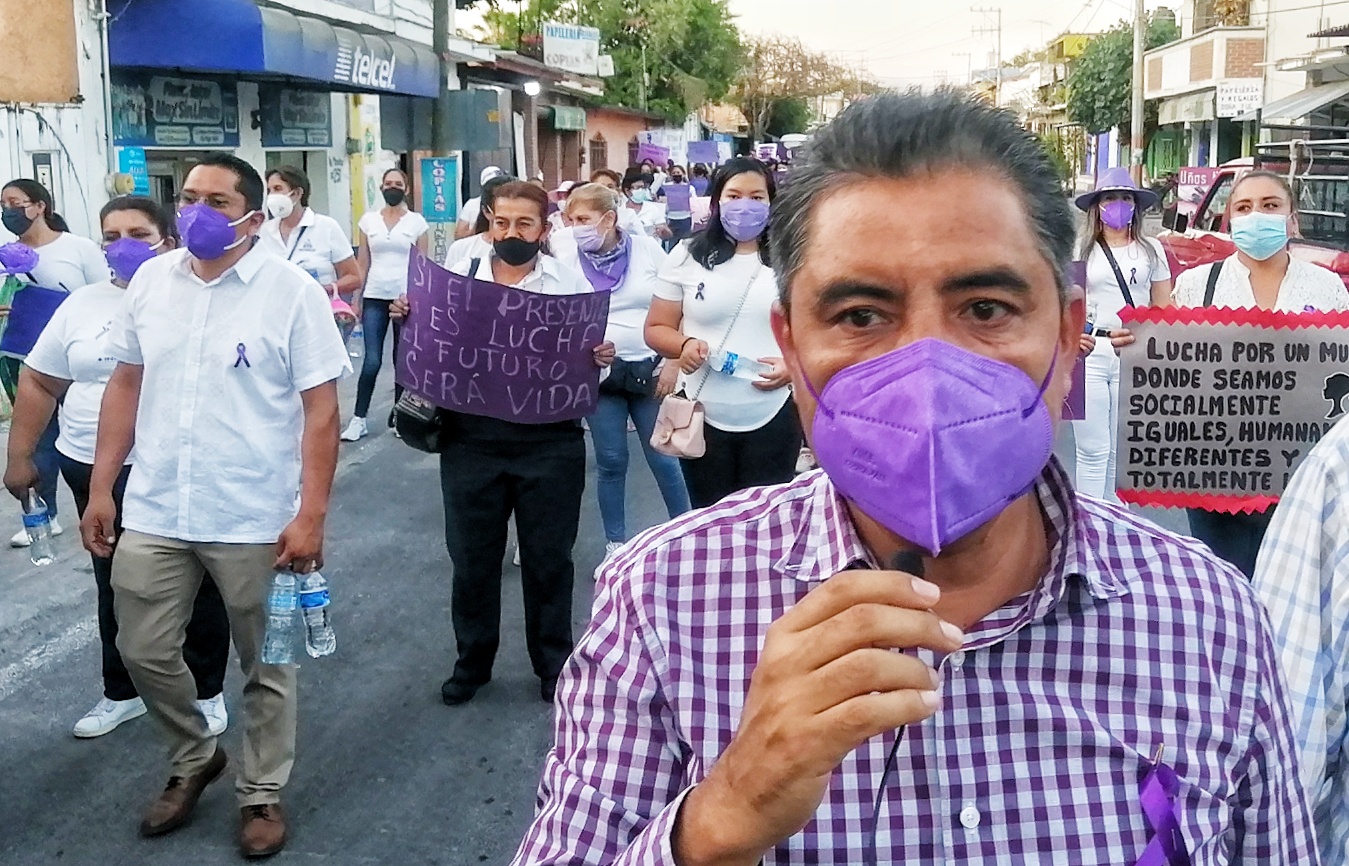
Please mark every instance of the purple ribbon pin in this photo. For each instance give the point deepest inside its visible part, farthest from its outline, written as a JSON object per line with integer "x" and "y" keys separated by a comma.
{"x": 699, "y": 295}
{"x": 1158, "y": 796}
{"x": 243, "y": 357}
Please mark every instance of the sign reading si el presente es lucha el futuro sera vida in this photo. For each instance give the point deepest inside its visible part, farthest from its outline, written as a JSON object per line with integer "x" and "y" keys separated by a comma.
{"x": 1218, "y": 407}
{"x": 482, "y": 348}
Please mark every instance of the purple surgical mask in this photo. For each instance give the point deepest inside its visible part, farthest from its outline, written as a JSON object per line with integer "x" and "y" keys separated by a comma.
{"x": 589, "y": 239}
{"x": 207, "y": 232}
{"x": 932, "y": 441}
{"x": 1117, "y": 214}
{"x": 126, "y": 255}
{"x": 744, "y": 218}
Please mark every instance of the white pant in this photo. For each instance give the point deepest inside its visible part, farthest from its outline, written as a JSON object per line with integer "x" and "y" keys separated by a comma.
{"x": 1095, "y": 436}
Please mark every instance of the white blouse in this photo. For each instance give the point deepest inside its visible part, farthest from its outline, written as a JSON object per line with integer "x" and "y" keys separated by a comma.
{"x": 1305, "y": 287}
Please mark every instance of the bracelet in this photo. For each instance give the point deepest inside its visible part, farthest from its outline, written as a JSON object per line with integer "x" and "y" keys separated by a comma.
{"x": 684, "y": 344}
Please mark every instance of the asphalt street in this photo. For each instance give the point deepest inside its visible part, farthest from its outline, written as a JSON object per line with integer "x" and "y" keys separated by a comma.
{"x": 385, "y": 773}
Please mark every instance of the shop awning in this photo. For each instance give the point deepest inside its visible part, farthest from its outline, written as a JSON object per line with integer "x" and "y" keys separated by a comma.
{"x": 1190, "y": 108}
{"x": 1293, "y": 108}
{"x": 241, "y": 38}
{"x": 568, "y": 117}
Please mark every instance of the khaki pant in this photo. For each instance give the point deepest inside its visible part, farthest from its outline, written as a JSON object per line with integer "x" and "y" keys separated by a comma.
{"x": 155, "y": 581}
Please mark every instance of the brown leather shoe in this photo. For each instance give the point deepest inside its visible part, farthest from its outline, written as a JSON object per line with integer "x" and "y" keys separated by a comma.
{"x": 174, "y": 807}
{"x": 263, "y": 832}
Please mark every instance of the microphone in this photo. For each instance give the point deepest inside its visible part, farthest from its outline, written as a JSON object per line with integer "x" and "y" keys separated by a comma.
{"x": 908, "y": 561}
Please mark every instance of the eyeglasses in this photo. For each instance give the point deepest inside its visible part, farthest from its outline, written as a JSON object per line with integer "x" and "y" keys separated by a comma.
{"x": 214, "y": 202}
{"x": 19, "y": 203}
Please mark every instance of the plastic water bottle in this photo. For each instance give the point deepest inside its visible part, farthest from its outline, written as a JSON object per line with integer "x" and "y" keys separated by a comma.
{"x": 319, "y": 639}
{"x": 38, "y": 524}
{"x": 356, "y": 341}
{"x": 278, "y": 642}
{"x": 732, "y": 364}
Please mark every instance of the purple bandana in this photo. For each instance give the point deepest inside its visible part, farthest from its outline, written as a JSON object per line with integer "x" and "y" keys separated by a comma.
{"x": 606, "y": 270}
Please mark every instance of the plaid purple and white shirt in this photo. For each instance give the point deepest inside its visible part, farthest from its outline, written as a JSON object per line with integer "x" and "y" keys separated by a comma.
{"x": 1050, "y": 715}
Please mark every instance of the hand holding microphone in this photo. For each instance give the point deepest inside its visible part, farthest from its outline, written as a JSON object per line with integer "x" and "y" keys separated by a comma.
{"x": 827, "y": 681}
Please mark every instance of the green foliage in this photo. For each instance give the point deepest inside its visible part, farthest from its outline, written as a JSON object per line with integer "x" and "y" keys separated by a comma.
{"x": 1100, "y": 85}
{"x": 788, "y": 116}
{"x": 693, "y": 48}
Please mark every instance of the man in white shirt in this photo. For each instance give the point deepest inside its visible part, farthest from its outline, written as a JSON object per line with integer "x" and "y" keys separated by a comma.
{"x": 468, "y": 216}
{"x": 227, "y": 384}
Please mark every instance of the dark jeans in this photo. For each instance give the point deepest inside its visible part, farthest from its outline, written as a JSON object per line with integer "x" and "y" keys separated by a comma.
{"x": 482, "y": 483}
{"x": 375, "y": 323}
{"x": 45, "y": 454}
{"x": 682, "y": 228}
{"x": 735, "y": 461}
{"x": 206, "y": 648}
{"x": 1234, "y": 537}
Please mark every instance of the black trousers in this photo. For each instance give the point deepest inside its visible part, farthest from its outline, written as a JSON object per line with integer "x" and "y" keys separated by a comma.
{"x": 1234, "y": 537}
{"x": 736, "y": 461}
{"x": 206, "y": 648}
{"x": 483, "y": 483}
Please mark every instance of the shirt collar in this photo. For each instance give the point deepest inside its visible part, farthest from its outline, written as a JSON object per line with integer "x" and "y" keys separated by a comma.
{"x": 545, "y": 267}
{"x": 245, "y": 269}
{"x": 829, "y": 543}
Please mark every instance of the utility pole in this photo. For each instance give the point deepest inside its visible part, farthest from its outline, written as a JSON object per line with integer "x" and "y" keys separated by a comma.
{"x": 1136, "y": 102}
{"x": 440, "y": 44}
{"x": 996, "y": 29}
{"x": 969, "y": 65}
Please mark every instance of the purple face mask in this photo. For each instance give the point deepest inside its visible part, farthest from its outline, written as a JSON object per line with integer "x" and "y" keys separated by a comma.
{"x": 932, "y": 441}
{"x": 1117, "y": 214}
{"x": 207, "y": 232}
{"x": 589, "y": 239}
{"x": 744, "y": 218}
{"x": 126, "y": 255}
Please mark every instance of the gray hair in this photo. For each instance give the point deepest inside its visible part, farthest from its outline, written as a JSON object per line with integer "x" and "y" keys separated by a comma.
{"x": 897, "y": 135}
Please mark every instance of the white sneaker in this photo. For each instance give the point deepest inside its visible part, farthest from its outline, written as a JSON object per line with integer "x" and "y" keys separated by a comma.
{"x": 107, "y": 715}
{"x": 805, "y": 461}
{"x": 20, "y": 538}
{"x": 217, "y": 719}
{"x": 356, "y": 429}
{"x": 516, "y": 557}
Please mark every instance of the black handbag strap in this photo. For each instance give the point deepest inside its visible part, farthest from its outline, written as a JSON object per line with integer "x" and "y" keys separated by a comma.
{"x": 1212, "y": 285}
{"x": 1119, "y": 275}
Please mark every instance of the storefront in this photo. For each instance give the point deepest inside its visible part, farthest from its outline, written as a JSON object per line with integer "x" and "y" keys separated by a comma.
{"x": 267, "y": 84}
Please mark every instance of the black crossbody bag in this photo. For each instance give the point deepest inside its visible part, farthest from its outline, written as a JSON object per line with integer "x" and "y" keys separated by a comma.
{"x": 631, "y": 378}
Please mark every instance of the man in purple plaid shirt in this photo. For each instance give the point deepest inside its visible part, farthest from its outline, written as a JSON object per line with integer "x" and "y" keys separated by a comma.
{"x": 772, "y": 680}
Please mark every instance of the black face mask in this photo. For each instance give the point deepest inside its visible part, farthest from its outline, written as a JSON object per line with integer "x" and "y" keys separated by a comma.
{"x": 678, "y": 178}
{"x": 516, "y": 251}
{"x": 16, "y": 219}
{"x": 393, "y": 196}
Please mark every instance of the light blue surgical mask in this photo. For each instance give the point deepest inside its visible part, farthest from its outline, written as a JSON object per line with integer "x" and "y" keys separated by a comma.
{"x": 641, "y": 196}
{"x": 1260, "y": 235}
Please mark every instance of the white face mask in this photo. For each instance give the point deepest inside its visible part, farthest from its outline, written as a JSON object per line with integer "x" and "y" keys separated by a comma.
{"x": 280, "y": 205}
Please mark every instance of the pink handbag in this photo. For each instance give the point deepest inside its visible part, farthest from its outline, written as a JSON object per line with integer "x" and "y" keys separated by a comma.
{"x": 679, "y": 423}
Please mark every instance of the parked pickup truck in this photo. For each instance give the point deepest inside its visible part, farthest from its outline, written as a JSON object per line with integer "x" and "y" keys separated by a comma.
{"x": 1196, "y": 232}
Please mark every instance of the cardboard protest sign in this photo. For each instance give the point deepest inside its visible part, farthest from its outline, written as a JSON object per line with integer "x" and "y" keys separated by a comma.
{"x": 1075, "y": 403}
{"x": 703, "y": 151}
{"x": 677, "y": 196}
{"x": 654, "y": 152}
{"x": 1219, "y": 406}
{"x": 482, "y": 348}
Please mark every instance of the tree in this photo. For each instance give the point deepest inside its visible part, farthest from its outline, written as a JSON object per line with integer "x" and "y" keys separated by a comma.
{"x": 692, "y": 47}
{"x": 781, "y": 68}
{"x": 788, "y": 116}
{"x": 1100, "y": 86}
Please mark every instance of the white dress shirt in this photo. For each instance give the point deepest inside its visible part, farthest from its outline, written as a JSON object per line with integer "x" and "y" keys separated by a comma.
{"x": 218, "y": 428}
{"x": 549, "y": 277}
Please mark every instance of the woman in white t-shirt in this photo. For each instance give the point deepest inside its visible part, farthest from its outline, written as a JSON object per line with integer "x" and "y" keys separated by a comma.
{"x": 712, "y": 313}
{"x": 388, "y": 237}
{"x": 641, "y": 204}
{"x": 65, "y": 261}
{"x": 1261, "y": 273}
{"x": 1125, "y": 268}
{"x": 312, "y": 240}
{"x": 70, "y": 365}
{"x": 628, "y": 267}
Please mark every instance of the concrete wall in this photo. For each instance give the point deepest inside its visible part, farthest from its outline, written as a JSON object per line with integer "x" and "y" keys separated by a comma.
{"x": 617, "y": 130}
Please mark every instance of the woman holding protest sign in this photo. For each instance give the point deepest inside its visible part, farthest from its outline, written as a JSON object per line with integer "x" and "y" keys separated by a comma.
{"x": 388, "y": 237}
{"x": 1125, "y": 268}
{"x": 1262, "y": 213}
{"x": 628, "y": 268}
{"x": 711, "y": 315}
{"x": 69, "y": 368}
{"x": 65, "y": 262}
{"x": 492, "y": 468}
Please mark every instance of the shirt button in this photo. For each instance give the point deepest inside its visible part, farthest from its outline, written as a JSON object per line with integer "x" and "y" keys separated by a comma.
{"x": 969, "y": 817}
{"x": 957, "y": 659}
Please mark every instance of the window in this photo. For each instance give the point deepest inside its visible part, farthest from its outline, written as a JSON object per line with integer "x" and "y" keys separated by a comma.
{"x": 632, "y": 151}
{"x": 598, "y": 153}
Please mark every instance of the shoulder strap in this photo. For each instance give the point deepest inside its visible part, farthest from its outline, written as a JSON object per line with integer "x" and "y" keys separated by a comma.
{"x": 707, "y": 367}
{"x": 295, "y": 245}
{"x": 1119, "y": 275}
{"x": 473, "y": 268}
{"x": 1212, "y": 285}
